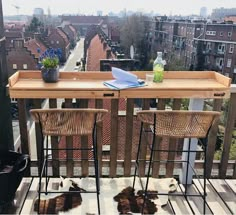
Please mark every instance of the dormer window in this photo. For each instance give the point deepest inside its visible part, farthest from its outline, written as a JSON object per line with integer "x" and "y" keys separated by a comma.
{"x": 25, "y": 66}
{"x": 14, "y": 66}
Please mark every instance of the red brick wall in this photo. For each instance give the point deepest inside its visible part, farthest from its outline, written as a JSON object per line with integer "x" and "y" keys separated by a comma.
{"x": 96, "y": 51}
{"x": 20, "y": 56}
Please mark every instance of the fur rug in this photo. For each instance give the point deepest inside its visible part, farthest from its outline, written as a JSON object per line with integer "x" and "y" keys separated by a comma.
{"x": 128, "y": 202}
{"x": 109, "y": 187}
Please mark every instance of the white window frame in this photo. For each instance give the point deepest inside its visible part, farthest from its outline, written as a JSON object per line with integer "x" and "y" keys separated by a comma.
{"x": 229, "y": 61}
{"x": 25, "y": 66}
{"x": 211, "y": 33}
{"x": 208, "y": 47}
{"x": 229, "y": 34}
{"x": 220, "y": 62}
{"x": 221, "y": 48}
{"x": 231, "y": 48}
{"x": 14, "y": 66}
{"x": 221, "y": 33}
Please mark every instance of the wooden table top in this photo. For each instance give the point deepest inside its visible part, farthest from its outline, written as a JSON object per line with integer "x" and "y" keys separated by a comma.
{"x": 187, "y": 84}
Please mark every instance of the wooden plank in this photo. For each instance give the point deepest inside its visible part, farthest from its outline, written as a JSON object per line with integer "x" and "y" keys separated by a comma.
{"x": 144, "y": 143}
{"x": 54, "y": 142}
{"x": 84, "y": 144}
{"x": 172, "y": 144}
{"x": 69, "y": 144}
{"x": 232, "y": 184}
{"x": 174, "y": 92}
{"x": 228, "y": 136}
{"x": 28, "y": 207}
{"x": 212, "y": 139}
{"x": 221, "y": 79}
{"x": 99, "y": 105}
{"x": 20, "y": 196}
{"x": 114, "y": 137}
{"x": 39, "y": 137}
{"x": 23, "y": 131}
{"x": 14, "y": 78}
{"x": 30, "y": 74}
{"x": 195, "y": 202}
{"x": 90, "y": 85}
{"x": 225, "y": 192}
{"x": 128, "y": 136}
{"x": 53, "y": 94}
{"x": 156, "y": 156}
{"x": 234, "y": 171}
{"x": 215, "y": 203}
{"x": 179, "y": 203}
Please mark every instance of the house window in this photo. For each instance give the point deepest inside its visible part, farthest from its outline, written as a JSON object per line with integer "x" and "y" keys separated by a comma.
{"x": 207, "y": 60}
{"x": 231, "y": 48}
{"x": 221, "y": 34}
{"x": 229, "y": 34}
{"x": 229, "y": 63}
{"x": 14, "y": 66}
{"x": 219, "y": 62}
{"x": 25, "y": 66}
{"x": 211, "y": 33}
{"x": 57, "y": 42}
{"x": 52, "y": 42}
{"x": 208, "y": 47}
{"x": 221, "y": 47}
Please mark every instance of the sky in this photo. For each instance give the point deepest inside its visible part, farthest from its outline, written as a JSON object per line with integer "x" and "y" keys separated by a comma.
{"x": 90, "y": 7}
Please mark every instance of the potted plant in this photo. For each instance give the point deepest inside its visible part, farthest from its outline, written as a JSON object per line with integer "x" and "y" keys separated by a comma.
{"x": 49, "y": 64}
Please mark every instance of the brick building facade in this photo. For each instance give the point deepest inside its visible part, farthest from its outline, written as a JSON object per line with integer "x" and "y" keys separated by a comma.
{"x": 200, "y": 45}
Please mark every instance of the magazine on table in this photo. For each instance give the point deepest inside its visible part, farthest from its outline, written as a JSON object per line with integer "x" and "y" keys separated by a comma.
{"x": 123, "y": 80}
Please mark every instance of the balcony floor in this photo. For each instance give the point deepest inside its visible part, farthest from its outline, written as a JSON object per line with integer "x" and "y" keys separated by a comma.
{"x": 221, "y": 197}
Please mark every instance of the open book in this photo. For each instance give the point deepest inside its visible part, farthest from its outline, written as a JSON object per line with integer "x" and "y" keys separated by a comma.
{"x": 123, "y": 80}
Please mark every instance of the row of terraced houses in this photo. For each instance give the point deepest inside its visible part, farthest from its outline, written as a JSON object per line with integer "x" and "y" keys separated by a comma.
{"x": 201, "y": 45}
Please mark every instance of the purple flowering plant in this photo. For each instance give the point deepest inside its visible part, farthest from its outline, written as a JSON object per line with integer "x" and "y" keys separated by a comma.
{"x": 50, "y": 58}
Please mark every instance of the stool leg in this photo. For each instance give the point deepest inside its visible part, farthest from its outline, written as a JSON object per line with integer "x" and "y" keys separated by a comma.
{"x": 40, "y": 172}
{"x": 96, "y": 167}
{"x": 187, "y": 169}
{"x": 139, "y": 146}
{"x": 204, "y": 182}
{"x": 149, "y": 169}
{"x": 46, "y": 167}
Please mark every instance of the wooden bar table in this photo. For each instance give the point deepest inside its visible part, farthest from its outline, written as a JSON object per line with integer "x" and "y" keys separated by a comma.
{"x": 89, "y": 85}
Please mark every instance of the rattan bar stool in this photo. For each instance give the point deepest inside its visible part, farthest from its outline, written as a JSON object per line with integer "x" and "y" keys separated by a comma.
{"x": 67, "y": 122}
{"x": 175, "y": 124}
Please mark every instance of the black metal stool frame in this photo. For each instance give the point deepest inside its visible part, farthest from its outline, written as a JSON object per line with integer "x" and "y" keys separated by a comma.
{"x": 151, "y": 161}
{"x": 44, "y": 164}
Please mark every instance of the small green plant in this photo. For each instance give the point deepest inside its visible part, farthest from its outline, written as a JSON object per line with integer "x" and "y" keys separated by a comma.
{"x": 50, "y": 59}
{"x": 50, "y": 62}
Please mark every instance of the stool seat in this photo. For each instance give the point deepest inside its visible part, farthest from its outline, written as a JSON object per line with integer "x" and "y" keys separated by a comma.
{"x": 67, "y": 122}
{"x": 175, "y": 125}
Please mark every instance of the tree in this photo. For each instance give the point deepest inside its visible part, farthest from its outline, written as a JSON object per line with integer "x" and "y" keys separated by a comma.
{"x": 133, "y": 32}
{"x": 174, "y": 63}
{"x": 34, "y": 25}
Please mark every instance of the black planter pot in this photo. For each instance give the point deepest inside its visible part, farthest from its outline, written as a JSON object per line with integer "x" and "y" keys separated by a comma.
{"x": 50, "y": 75}
{"x": 12, "y": 167}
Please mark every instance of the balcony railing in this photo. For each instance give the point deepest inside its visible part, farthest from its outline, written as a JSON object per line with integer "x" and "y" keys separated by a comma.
{"x": 118, "y": 137}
